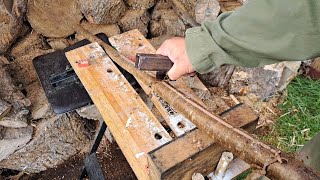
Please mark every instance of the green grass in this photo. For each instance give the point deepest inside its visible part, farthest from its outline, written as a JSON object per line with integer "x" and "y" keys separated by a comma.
{"x": 300, "y": 119}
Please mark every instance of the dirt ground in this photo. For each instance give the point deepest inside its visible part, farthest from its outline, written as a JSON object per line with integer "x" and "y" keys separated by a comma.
{"x": 111, "y": 159}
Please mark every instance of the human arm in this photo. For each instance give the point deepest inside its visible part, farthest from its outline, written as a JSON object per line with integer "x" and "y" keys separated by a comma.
{"x": 259, "y": 33}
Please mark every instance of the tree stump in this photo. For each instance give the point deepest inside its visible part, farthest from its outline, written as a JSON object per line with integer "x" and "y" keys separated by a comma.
{"x": 102, "y": 11}
{"x": 11, "y": 19}
{"x": 54, "y": 18}
{"x": 140, "y": 4}
{"x": 135, "y": 19}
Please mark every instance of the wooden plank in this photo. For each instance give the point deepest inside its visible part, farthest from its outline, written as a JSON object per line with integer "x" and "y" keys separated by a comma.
{"x": 132, "y": 42}
{"x": 195, "y": 152}
{"x": 133, "y": 126}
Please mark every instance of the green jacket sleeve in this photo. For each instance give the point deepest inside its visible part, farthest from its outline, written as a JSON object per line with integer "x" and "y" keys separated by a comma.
{"x": 260, "y": 32}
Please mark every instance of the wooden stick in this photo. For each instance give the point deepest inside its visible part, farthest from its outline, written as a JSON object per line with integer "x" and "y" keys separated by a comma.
{"x": 234, "y": 139}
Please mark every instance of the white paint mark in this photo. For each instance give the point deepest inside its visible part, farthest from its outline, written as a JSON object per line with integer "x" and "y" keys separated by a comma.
{"x": 129, "y": 121}
{"x": 139, "y": 155}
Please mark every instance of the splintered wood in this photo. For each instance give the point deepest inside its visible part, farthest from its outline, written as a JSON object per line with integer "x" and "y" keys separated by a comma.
{"x": 4, "y": 108}
{"x": 134, "y": 127}
{"x": 132, "y": 42}
{"x": 230, "y": 5}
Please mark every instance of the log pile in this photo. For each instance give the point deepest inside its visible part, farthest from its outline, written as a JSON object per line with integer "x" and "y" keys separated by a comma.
{"x": 32, "y": 137}
{"x": 28, "y": 126}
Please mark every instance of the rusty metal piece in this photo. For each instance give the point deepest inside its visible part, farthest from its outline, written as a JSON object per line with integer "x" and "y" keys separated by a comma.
{"x": 153, "y": 62}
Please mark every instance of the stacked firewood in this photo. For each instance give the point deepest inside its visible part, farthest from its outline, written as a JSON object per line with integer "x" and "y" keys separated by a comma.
{"x": 58, "y": 18}
{"x": 32, "y": 137}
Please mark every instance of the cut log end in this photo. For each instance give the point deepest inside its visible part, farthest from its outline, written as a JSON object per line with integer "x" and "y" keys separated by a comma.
{"x": 101, "y": 11}
{"x": 54, "y": 18}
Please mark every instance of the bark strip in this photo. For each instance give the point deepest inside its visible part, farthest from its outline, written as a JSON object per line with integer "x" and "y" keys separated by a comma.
{"x": 235, "y": 140}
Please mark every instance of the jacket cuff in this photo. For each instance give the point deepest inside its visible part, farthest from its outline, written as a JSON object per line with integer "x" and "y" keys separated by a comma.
{"x": 199, "y": 47}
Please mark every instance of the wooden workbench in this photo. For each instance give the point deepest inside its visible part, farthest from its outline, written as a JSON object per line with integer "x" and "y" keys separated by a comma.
{"x": 150, "y": 150}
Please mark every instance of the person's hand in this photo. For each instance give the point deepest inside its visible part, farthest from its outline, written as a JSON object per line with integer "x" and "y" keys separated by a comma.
{"x": 175, "y": 49}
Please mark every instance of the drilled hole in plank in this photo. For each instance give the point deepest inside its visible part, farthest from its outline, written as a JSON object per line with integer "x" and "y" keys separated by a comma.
{"x": 109, "y": 70}
{"x": 157, "y": 136}
{"x": 181, "y": 125}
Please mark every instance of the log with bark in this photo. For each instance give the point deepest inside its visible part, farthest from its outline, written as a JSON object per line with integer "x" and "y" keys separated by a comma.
{"x": 102, "y": 11}
{"x": 11, "y": 19}
{"x": 135, "y": 19}
{"x": 14, "y": 139}
{"x": 55, "y": 140}
{"x": 33, "y": 147}
{"x": 108, "y": 29}
{"x": 23, "y": 52}
{"x": 14, "y": 130}
{"x": 185, "y": 10}
{"x": 230, "y": 5}
{"x": 10, "y": 93}
{"x": 206, "y": 10}
{"x": 166, "y": 21}
{"x": 243, "y": 145}
{"x": 140, "y": 4}
{"x": 54, "y": 18}
{"x": 219, "y": 77}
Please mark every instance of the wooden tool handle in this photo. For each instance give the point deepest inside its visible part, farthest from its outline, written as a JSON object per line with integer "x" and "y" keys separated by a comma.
{"x": 153, "y": 62}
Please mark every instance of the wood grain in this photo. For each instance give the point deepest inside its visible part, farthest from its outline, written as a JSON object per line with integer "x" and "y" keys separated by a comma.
{"x": 132, "y": 42}
{"x": 133, "y": 126}
{"x": 54, "y": 18}
{"x": 196, "y": 152}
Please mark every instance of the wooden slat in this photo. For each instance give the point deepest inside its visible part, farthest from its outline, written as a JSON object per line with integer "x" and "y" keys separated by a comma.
{"x": 128, "y": 118}
{"x": 195, "y": 152}
{"x": 132, "y": 42}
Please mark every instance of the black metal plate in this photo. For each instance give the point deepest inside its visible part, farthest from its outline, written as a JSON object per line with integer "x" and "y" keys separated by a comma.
{"x": 71, "y": 95}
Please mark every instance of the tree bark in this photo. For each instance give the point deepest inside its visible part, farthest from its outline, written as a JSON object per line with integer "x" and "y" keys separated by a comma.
{"x": 219, "y": 77}
{"x": 108, "y": 29}
{"x": 102, "y": 11}
{"x": 166, "y": 21}
{"x": 135, "y": 19}
{"x": 54, "y": 18}
{"x": 11, "y": 18}
{"x": 140, "y": 4}
{"x": 206, "y": 10}
{"x": 55, "y": 140}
